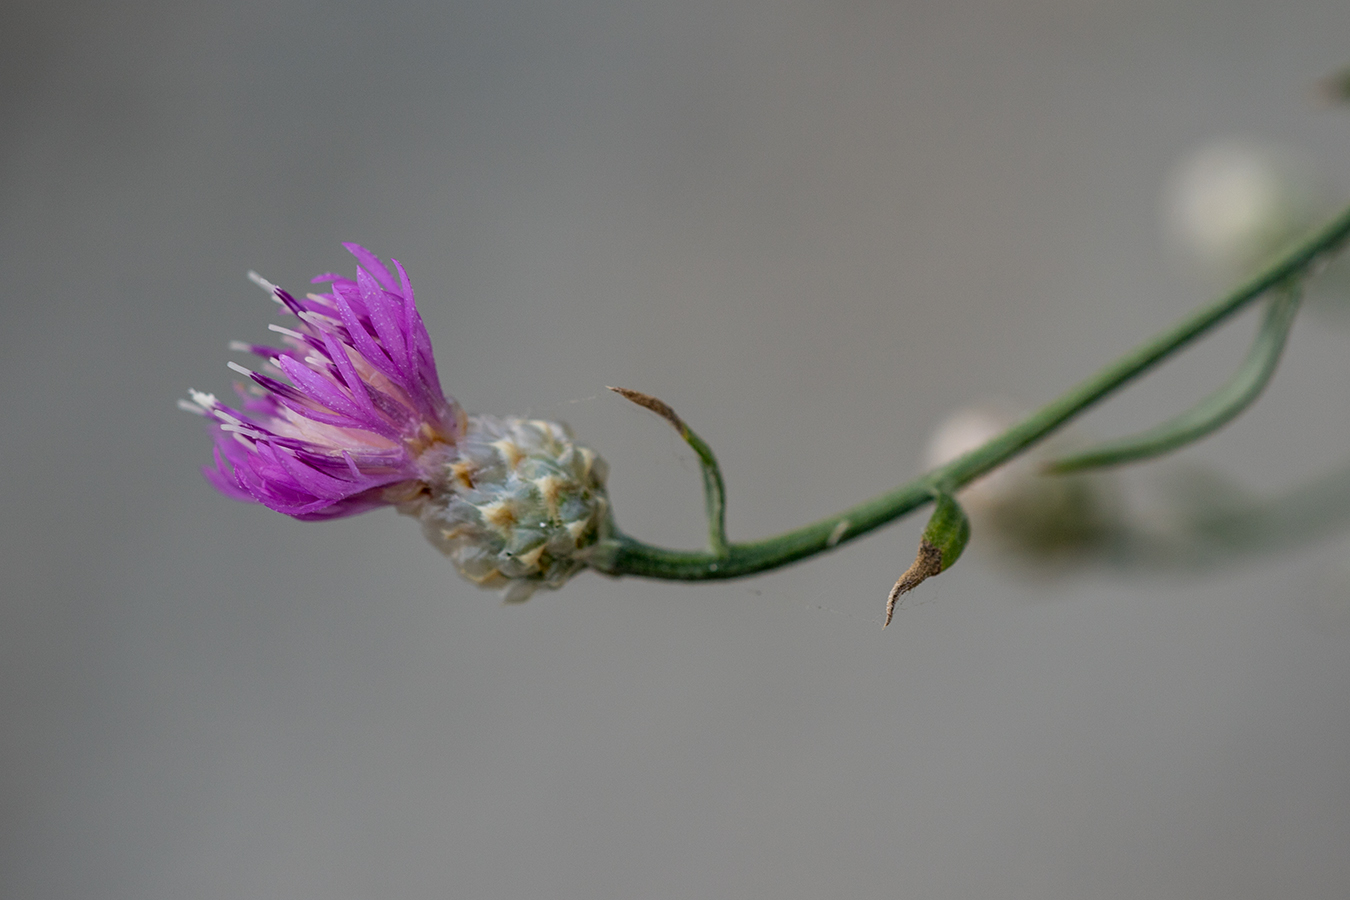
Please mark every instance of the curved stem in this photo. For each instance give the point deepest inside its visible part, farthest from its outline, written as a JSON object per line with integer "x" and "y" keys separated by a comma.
{"x": 714, "y": 493}
{"x": 1210, "y": 414}
{"x": 624, "y": 555}
{"x": 714, "y": 490}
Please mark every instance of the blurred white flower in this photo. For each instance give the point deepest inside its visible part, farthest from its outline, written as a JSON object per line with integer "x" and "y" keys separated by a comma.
{"x": 1234, "y": 203}
{"x": 1039, "y": 518}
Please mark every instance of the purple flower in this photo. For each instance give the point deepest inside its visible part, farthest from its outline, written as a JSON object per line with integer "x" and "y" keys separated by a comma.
{"x": 348, "y": 415}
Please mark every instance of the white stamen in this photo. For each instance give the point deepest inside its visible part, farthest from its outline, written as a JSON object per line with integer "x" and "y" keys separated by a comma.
{"x": 240, "y": 347}
{"x": 247, "y": 373}
{"x": 226, "y": 418}
{"x": 286, "y": 331}
{"x": 264, "y": 284}
{"x": 205, "y": 401}
{"x": 189, "y": 406}
{"x": 244, "y": 430}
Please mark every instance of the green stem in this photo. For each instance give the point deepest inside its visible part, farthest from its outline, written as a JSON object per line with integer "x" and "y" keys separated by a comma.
{"x": 714, "y": 490}
{"x": 714, "y": 493}
{"x": 1210, "y": 414}
{"x": 623, "y": 555}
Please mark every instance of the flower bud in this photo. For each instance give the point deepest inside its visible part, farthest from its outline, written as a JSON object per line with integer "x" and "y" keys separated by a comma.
{"x": 518, "y": 506}
{"x": 945, "y": 536}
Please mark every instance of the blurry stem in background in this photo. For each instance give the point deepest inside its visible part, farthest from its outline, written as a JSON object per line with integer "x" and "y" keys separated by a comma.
{"x": 621, "y": 554}
{"x": 1336, "y": 87}
{"x": 1221, "y": 527}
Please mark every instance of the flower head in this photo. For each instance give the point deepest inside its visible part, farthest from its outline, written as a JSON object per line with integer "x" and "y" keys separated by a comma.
{"x": 348, "y": 414}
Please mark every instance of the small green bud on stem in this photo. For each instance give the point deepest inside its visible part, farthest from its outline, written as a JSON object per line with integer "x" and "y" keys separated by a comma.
{"x": 944, "y": 538}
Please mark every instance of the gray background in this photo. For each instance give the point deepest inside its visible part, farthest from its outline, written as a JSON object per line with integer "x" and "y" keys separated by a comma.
{"x": 814, "y": 228}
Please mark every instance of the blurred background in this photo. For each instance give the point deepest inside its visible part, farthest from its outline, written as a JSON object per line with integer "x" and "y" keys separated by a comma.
{"x": 816, "y": 229}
